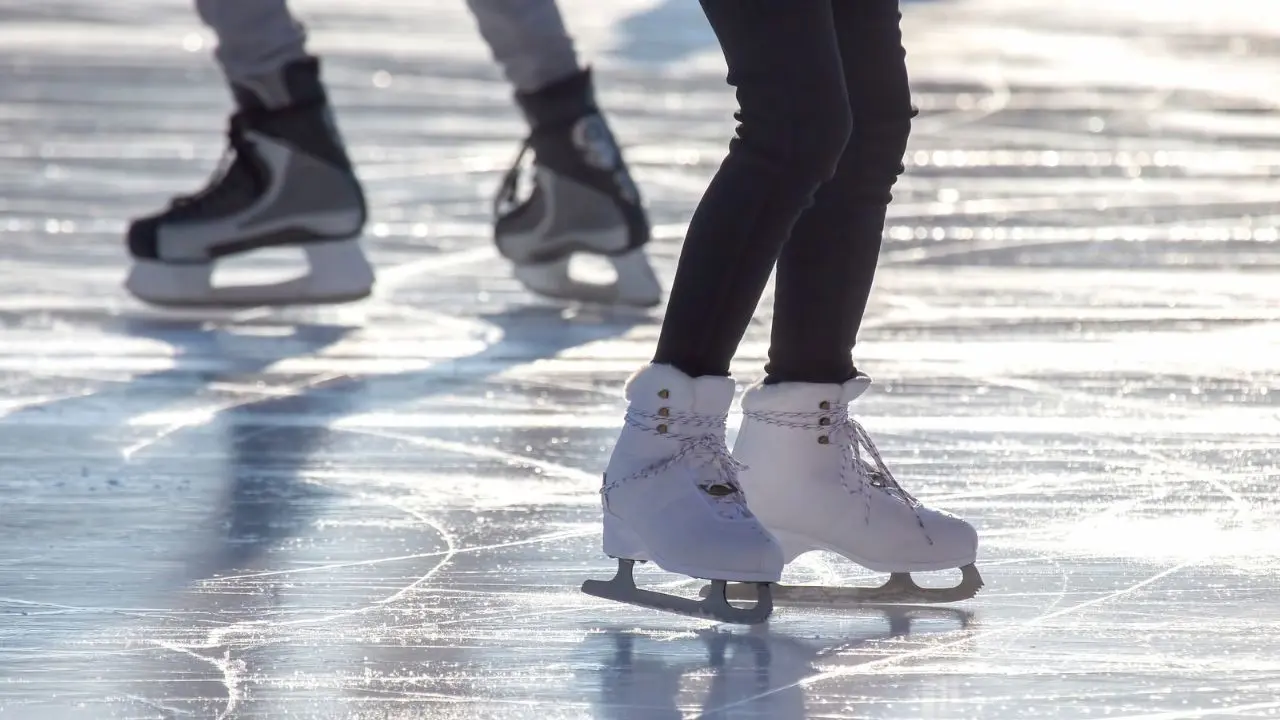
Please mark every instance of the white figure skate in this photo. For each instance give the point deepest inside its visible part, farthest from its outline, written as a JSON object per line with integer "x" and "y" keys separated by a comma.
{"x": 816, "y": 480}
{"x": 285, "y": 181}
{"x": 671, "y": 497}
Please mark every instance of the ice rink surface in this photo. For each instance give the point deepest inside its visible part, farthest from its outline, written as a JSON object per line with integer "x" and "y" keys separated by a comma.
{"x": 385, "y": 510}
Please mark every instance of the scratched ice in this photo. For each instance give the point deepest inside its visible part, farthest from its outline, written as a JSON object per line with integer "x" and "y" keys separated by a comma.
{"x": 384, "y": 511}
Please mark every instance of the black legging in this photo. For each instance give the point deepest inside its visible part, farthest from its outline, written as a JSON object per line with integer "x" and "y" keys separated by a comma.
{"x": 825, "y": 111}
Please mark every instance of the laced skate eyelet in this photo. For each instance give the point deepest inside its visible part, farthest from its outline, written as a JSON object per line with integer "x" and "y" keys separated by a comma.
{"x": 824, "y": 405}
{"x": 662, "y": 428}
{"x": 824, "y": 421}
{"x": 664, "y": 412}
{"x": 664, "y": 394}
{"x": 718, "y": 490}
{"x": 824, "y": 440}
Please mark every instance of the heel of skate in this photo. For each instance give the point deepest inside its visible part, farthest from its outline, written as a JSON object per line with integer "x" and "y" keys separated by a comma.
{"x": 900, "y": 588}
{"x": 714, "y": 605}
{"x": 622, "y": 545}
{"x": 793, "y": 545}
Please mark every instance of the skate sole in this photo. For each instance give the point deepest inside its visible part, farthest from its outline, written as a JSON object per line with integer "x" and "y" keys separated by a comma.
{"x": 247, "y": 304}
{"x": 714, "y": 604}
{"x": 900, "y": 588}
{"x": 795, "y": 545}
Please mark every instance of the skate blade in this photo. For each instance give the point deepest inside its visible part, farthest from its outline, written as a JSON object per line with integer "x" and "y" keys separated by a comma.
{"x": 636, "y": 286}
{"x": 245, "y": 297}
{"x": 338, "y": 273}
{"x": 714, "y": 605}
{"x": 899, "y": 589}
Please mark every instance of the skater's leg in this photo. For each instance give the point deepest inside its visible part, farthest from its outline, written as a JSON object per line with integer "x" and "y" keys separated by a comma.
{"x": 255, "y": 38}
{"x": 529, "y": 40}
{"x": 830, "y": 261}
{"x": 286, "y": 179}
{"x": 826, "y": 269}
{"x": 670, "y": 493}
{"x": 584, "y": 199}
{"x": 814, "y": 476}
{"x": 794, "y": 123}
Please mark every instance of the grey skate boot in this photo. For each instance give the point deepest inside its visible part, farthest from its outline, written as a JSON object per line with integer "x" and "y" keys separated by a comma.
{"x": 284, "y": 180}
{"x": 583, "y": 201}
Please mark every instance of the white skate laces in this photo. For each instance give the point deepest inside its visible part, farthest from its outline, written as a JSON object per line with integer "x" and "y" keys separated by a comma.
{"x": 874, "y": 474}
{"x": 707, "y": 449}
{"x": 860, "y": 474}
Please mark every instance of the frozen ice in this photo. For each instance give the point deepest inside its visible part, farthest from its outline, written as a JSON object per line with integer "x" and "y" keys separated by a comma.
{"x": 385, "y": 510}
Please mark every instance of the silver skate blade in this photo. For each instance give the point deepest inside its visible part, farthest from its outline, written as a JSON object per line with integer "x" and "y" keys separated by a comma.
{"x": 714, "y": 606}
{"x": 233, "y": 297}
{"x": 900, "y": 588}
{"x": 338, "y": 272}
{"x": 636, "y": 283}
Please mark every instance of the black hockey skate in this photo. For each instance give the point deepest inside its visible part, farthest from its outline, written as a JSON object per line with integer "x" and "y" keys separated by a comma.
{"x": 284, "y": 180}
{"x": 583, "y": 200}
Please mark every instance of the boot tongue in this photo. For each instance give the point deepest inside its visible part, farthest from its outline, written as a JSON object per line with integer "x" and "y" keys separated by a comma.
{"x": 560, "y": 104}
{"x": 259, "y": 94}
{"x": 297, "y": 83}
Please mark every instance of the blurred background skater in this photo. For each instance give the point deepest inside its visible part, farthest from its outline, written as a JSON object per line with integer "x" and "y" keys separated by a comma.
{"x": 286, "y": 178}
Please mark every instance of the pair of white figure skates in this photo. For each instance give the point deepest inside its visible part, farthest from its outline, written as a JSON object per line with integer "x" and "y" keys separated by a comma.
{"x": 286, "y": 180}
{"x": 803, "y": 476}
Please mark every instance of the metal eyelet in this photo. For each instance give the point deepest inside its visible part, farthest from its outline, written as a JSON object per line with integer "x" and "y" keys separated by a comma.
{"x": 825, "y": 421}
{"x": 824, "y": 440}
{"x": 664, "y": 394}
{"x": 664, "y": 412}
{"x": 662, "y": 428}
{"x": 824, "y": 405}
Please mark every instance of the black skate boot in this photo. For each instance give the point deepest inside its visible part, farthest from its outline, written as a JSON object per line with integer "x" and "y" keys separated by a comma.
{"x": 583, "y": 201}
{"x": 284, "y": 180}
